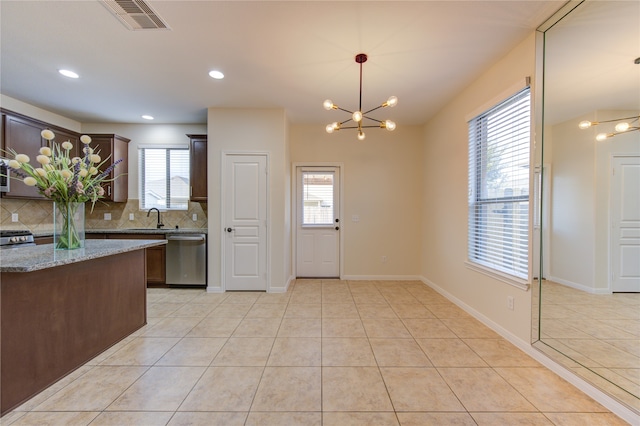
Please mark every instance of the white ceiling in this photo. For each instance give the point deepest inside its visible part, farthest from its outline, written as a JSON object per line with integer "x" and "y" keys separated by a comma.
{"x": 282, "y": 54}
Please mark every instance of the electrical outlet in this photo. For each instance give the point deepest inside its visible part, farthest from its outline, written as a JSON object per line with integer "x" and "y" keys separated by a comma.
{"x": 132, "y": 216}
{"x": 383, "y": 259}
{"x": 14, "y": 217}
{"x": 107, "y": 216}
{"x": 355, "y": 218}
{"x": 510, "y": 302}
{"x": 194, "y": 217}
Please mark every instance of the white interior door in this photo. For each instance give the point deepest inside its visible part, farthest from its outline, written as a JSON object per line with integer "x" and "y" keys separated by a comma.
{"x": 318, "y": 222}
{"x": 245, "y": 219}
{"x": 625, "y": 224}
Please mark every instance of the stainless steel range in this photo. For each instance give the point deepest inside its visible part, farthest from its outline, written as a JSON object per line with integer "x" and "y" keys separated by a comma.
{"x": 11, "y": 238}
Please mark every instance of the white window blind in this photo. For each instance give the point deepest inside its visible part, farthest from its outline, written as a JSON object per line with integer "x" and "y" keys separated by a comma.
{"x": 164, "y": 178}
{"x": 499, "y": 141}
{"x": 317, "y": 198}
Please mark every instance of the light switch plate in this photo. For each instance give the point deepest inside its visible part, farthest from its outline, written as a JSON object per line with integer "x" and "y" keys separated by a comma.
{"x": 132, "y": 216}
{"x": 194, "y": 217}
{"x": 14, "y": 217}
{"x": 107, "y": 216}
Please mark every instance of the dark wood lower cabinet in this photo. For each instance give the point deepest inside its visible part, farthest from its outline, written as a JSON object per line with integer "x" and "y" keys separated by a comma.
{"x": 54, "y": 320}
{"x": 156, "y": 256}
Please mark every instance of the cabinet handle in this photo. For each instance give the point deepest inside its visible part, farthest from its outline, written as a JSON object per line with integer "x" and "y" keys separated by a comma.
{"x": 109, "y": 190}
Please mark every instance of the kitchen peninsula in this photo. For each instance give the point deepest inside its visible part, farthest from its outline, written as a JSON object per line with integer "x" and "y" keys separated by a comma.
{"x": 59, "y": 309}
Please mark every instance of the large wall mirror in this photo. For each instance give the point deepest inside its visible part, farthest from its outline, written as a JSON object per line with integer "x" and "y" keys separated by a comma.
{"x": 588, "y": 303}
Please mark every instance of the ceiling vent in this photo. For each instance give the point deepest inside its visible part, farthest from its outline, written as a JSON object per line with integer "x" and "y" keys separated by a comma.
{"x": 135, "y": 14}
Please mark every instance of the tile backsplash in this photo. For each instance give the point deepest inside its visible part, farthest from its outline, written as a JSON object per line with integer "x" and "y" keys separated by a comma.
{"x": 37, "y": 216}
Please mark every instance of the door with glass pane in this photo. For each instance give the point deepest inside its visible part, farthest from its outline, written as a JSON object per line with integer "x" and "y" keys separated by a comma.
{"x": 318, "y": 224}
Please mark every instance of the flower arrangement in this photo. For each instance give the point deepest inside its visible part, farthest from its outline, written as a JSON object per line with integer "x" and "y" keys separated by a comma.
{"x": 61, "y": 177}
{"x": 68, "y": 181}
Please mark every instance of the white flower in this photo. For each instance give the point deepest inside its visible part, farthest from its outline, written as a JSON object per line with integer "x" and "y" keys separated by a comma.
{"x": 41, "y": 172}
{"x": 65, "y": 173}
{"x": 85, "y": 139}
{"x": 93, "y": 170}
{"x": 45, "y": 150}
{"x": 76, "y": 160}
{"x": 88, "y": 150}
{"x": 83, "y": 172}
{"x": 67, "y": 145}
{"x": 95, "y": 158}
{"x": 14, "y": 164}
{"x": 43, "y": 159}
{"x": 47, "y": 134}
{"x": 22, "y": 158}
{"x": 30, "y": 181}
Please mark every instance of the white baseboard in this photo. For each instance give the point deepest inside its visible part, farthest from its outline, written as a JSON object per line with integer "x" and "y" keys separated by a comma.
{"x": 281, "y": 289}
{"x": 607, "y": 401}
{"x": 580, "y": 287}
{"x": 211, "y": 289}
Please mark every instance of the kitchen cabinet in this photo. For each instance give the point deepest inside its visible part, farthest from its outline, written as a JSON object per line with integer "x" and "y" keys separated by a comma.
{"x": 22, "y": 134}
{"x": 115, "y": 148}
{"x": 156, "y": 256}
{"x": 198, "y": 167}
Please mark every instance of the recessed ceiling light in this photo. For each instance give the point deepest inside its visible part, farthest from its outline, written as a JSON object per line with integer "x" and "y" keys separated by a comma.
{"x": 216, "y": 74}
{"x": 147, "y": 117}
{"x": 68, "y": 73}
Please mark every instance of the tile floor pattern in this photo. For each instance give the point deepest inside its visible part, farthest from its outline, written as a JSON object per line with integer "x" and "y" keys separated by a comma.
{"x": 599, "y": 331}
{"x": 324, "y": 353}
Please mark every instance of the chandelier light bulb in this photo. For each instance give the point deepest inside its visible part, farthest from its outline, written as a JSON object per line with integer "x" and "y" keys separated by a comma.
{"x": 601, "y": 137}
{"x": 585, "y": 124}
{"x": 328, "y": 105}
{"x": 361, "y": 135}
{"x": 390, "y": 125}
{"x": 392, "y": 101}
{"x": 622, "y": 127}
{"x": 329, "y": 128}
{"x": 357, "y": 116}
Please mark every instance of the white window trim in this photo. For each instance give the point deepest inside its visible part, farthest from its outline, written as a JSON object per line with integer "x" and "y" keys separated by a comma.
{"x": 521, "y": 283}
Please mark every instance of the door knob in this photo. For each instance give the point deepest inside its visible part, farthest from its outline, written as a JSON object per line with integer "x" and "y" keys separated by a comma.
{"x": 229, "y": 229}
{"x": 337, "y": 228}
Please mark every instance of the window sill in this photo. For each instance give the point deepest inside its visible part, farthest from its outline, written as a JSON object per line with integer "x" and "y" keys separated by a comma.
{"x": 500, "y": 276}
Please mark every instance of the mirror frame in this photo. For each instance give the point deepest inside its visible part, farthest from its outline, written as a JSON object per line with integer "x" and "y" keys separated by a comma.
{"x": 618, "y": 395}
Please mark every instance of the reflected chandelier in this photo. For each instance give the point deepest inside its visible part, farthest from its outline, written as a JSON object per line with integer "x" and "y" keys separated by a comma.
{"x": 359, "y": 115}
{"x": 622, "y": 126}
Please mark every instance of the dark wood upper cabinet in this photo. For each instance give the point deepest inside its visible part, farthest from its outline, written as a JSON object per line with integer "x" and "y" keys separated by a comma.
{"x": 22, "y": 134}
{"x": 115, "y": 148}
{"x": 198, "y": 167}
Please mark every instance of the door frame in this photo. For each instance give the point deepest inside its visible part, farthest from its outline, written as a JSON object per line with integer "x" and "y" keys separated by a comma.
{"x": 294, "y": 212}
{"x": 223, "y": 170}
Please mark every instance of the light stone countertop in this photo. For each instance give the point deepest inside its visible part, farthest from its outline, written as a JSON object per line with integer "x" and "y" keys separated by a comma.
{"x": 33, "y": 258}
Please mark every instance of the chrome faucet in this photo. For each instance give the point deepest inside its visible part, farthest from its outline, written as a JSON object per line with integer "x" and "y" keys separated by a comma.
{"x": 160, "y": 224}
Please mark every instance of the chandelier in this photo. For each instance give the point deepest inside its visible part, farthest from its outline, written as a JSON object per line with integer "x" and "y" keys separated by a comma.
{"x": 358, "y": 116}
{"x": 622, "y": 126}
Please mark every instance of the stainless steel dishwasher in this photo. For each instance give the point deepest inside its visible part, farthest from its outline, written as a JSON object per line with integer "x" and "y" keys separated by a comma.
{"x": 186, "y": 259}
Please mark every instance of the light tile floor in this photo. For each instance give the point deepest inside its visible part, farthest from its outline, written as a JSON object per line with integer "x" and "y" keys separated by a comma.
{"x": 600, "y": 332}
{"x": 325, "y": 353}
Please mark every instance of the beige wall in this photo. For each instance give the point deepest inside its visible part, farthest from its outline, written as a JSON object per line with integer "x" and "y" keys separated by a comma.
{"x": 38, "y": 113}
{"x": 444, "y": 198}
{"x": 383, "y": 185}
{"x": 580, "y": 199}
{"x": 251, "y": 131}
